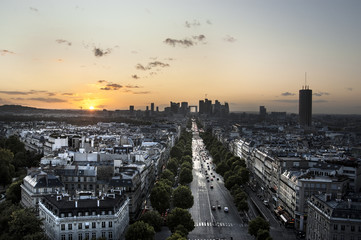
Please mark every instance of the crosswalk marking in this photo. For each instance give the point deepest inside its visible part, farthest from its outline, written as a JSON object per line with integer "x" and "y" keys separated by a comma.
{"x": 218, "y": 224}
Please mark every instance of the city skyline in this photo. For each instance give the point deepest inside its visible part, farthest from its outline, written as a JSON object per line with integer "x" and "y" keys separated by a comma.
{"x": 84, "y": 54}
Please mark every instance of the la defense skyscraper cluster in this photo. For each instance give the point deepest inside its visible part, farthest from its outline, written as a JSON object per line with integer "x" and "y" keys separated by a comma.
{"x": 305, "y": 106}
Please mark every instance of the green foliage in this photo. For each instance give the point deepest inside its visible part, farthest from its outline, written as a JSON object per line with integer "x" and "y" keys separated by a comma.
{"x": 232, "y": 181}
{"x": 222, "y": 168}
{"x": 242, "y": 205}
{"x": 176, "y": 236}
{"x": 186, "y": 165}
{"x": 244, "y": 175}
{"x": 6, "y": 209}
{"x": 24, "y": 223}
{"x": 154, "y": 219}
{"x": 263, "y": 234}
{"x": 13, "y": 193}
{"x": 160, "y": 197}
{"x": 186, "y": 158}
{"x": 182, "y": 197}
{"x": 140, "y": 231}
{"x": 7, "y": 169}
{"x": 185, "y": 176}
{"x": 176, "y": 152}
{"x": 181, "y": 230}
{"x": 167, "y": 174}
{"x": 173, "y": 166}
{"x": 180, "y": 216}
{"x": 256, "y": 224}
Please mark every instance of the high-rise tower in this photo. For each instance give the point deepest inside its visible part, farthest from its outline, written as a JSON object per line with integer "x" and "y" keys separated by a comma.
{"x": 305, "y": 106}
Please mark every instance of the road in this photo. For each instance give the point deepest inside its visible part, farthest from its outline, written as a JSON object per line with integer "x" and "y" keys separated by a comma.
{"x": 212, "y": 224}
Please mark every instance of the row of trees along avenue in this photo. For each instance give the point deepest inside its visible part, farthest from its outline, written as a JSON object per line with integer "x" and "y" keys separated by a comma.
{"x": 15, "y": 221}
{"x": 236, "y": 175}
{"x": 171, "y": 191}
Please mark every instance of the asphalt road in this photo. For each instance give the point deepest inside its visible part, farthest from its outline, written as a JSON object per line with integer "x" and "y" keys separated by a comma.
{"x": 209, "y": 223}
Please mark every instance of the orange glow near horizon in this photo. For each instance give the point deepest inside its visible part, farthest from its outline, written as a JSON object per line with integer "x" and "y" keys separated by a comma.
{"x": 91, "y": 108}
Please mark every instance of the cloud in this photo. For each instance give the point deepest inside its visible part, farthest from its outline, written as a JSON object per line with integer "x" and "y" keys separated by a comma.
{"x": 112, "y": 86}
{"x": 185, "y": 42}
{"x": 229, "y": 39}
{"x": 67, "y": 94}
{"x": 151, "y": 65}
{"x": 22, "y": 92}
{"x": 48, "y": 100}
{"x": 134, "y": 52}
{"x": 33, "y": 9}
{"x": 195, "y": 23}
{"x": 63, "y": 41}
{"x": 174, "y": 42}
{"x": 3, "y": 52}
{"x": 209, "y": 22}
{"x": 131, "y": 86}
{"x": 145, "y": 92}
{"x": 200, "y": 38}
{"x": 349, "y": 89}
{"x": 51, "y": 94}
{"x": 319, "y": 94}
{"x": 288, "y": 94}
{"x": 286, "y": 100}
{"x": 99, "y": 52}
{"x": 101, "y": 81}
{"x": 135, "y": 76}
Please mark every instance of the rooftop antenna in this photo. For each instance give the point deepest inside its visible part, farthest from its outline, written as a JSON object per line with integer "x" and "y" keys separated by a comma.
{"x": 306, "y": 80}
{"x": 206, "y": 95}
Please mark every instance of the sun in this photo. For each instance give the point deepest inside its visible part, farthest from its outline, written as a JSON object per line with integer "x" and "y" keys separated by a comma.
{"x": 91, "y": 108}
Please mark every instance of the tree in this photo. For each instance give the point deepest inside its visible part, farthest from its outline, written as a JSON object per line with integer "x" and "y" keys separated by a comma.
{"x": 173, "y": 166}
{"x": 7, "y": 170}
{"x": 242, "y": 205}
{"x": 187, "y": 165}
{"x": 256, "y": 224}
{"x": 13, "y": 193}
{"x": 176, "y": 152}
{"x": 222, "y": 168}
{"x": 231, "y": 181}
{"x": 185, "y": 176}
{"x": 181, "y": 230}
{"x": 160, "y": 197}
{"x": 186, "y": 158}
{"x": 24, "y": 223}
{"x": 154, "y": 219}
{"x": 139, "y": 231}
{"x": 244, "y": 175}
{"x": 263, "y": 234}
{"x": 6, "y": 209}
{"x": 14, "y": 144}
{"x": 180, "y": 216}
{"x": 167, "y": 174}
{"x": 182, "y": 197}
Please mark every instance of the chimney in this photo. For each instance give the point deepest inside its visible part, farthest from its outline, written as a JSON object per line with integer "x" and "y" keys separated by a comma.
{"x": 98, "y": 203}
{"x": 76, "y": 203}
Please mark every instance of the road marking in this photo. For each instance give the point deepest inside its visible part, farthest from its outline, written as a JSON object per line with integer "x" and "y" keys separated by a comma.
{"x": 217, "y": 224}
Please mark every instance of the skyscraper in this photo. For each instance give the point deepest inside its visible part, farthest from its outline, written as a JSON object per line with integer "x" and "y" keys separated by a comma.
{"x": 305, "y": 106}
{"x": 152, "y": 107}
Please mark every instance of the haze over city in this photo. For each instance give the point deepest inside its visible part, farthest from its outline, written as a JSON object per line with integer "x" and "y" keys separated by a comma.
{"x": 93, "y": 54}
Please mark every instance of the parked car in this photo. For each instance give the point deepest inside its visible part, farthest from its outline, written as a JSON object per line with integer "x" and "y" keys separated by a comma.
{"x": 226, "y": 209}
{"x": 211, "y": 186}
{"x": 213, "y": 207}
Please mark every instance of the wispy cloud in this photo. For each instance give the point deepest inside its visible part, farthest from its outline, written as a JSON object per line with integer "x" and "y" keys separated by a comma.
{"x": 319, "y": 94}
{"x": 3, "y": 52}
{"x": 63, "y": 41}
{"x": 131, "y": 86}
{"x": 151, "y": 65}
{"x": 349, "y": 89}
{"x": 135, "y": 76}
{"x": 229, "y": 39}
{"x": 145, "y": 92}
{"x": 33, "y": 9}
{"x": 67, "y": 94}
{"x": 48, "y": 100}
{"x": 100, "y": 53}
{"x": 195, "y": 23}
{"x": 288, "y": 94}
{"x": 209, "y": 22}
{"x": 185, "y": 42}
{"x": 286, "y": 100}
{"x": 112, "y": 86}
{"x": 102, "y": 81}
{"x": 23, "y": 92}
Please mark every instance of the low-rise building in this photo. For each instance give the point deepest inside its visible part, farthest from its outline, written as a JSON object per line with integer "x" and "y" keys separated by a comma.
{"x": 84, "y": 217}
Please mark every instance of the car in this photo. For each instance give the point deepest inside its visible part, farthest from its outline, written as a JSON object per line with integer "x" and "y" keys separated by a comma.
{"x": 211, "y": 179}
{"x": 219, "y": 206}
{"x": 265, "y": 202}
{"x": 211, "y": 186}
{"x": 207, "y": 180}
{"x": 226, "y": 209}
{"x": 213, "y": 207}
{"x": 217, "y": 178}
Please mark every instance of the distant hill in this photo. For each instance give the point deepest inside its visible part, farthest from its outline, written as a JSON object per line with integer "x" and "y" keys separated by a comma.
{"x": 16, "y": 108}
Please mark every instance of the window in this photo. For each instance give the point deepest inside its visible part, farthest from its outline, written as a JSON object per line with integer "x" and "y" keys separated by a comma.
{"x": 70, "y": 236}
{"x": 70, "y": 226}
{"x": 110, "y": 235}
{"x": 103, "y": 224}
{"x": 86, "y": 225}
{"x": 334, "y": 237}
{"x": 352, "y": 228}
{"x": 62, "y": 227}
{"x": 342, "y": 228}
{"x": 86, "y": 236}
{"x": 103, "y": 234}
{"x": 335, "y": 226}
{"x": 80, "y": 226}
{"x": 94, "y": 235}
{"x": 62, "y": 237}
{"x": 80, "y": 236}
{"x": 94, "y": 225}
{"x": 110, "y": 224}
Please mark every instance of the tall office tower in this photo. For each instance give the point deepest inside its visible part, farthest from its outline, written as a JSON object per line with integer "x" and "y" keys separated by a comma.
{"x": 131, "y": 108}
{"x": 262, "y": 112}
{"x": 201, "y": 106}
{"x": 184, "y": 107}
{"x": 152, "y": 107}
{"x": 305, "y": 106}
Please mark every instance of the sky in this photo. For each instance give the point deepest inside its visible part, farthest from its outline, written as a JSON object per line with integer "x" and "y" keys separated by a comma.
{"x": 113, "y": 54}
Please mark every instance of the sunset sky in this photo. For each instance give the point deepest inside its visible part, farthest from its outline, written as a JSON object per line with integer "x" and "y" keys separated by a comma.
{"x": 112, "y": 54}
